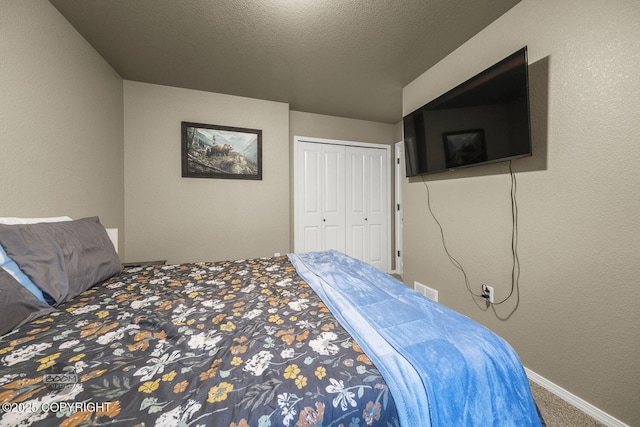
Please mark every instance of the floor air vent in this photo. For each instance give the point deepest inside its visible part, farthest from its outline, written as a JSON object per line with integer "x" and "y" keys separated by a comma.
{"x": 426, "y": 291}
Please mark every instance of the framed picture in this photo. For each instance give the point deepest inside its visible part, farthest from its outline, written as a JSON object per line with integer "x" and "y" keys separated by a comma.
{"x": 211, "y": 151}
{"x": 464, "y": 147}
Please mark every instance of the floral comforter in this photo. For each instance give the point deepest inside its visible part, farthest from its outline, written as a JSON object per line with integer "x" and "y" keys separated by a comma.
{"x": 241, "y": 343}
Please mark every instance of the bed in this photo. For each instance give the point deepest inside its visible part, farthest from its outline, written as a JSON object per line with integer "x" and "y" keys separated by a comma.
{"x": 302, "y": 340}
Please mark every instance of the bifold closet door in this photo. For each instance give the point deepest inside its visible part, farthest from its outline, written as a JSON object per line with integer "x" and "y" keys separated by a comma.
{"x": 320, "y": 197}
{"x": 367, "y": 225}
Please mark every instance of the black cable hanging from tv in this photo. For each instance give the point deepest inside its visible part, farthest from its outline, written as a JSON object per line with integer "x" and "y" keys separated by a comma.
{"x": 515, "y": 269}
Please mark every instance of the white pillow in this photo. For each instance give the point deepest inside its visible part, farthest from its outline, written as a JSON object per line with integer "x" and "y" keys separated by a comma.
{"x": 10, "y": 220}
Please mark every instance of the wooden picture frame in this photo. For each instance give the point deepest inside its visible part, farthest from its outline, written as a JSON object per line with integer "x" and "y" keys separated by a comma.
{"x": 212, "y": 151}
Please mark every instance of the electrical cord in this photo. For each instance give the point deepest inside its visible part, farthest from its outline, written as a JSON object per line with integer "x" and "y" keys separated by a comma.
{"x": 453, "y": 261}
{"x": 515, "y": 269}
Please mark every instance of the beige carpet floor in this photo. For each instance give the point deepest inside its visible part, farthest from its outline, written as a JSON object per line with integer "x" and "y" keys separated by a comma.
{"x": 557, "y": 412}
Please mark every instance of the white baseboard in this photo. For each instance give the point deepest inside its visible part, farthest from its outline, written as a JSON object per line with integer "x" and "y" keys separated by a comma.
{"x": 574, "y": 400}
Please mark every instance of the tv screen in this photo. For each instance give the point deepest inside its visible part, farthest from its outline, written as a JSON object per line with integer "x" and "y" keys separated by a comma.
{"x": 483, "y": 120}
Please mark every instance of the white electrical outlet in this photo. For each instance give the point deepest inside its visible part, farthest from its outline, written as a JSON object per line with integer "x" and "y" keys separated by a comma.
{"x": 428, "y": 292}
{"x": 487, "y": 293}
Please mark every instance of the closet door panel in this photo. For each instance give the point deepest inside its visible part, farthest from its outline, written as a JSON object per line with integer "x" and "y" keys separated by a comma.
{"x": 357, "y": 239}
{"x": 376, "y": 191}
{"x": 356, "y": 203}
{"x": 333, "y": 237}
{"x": 312, "y": 183}
{"x": 331, "y": 192}
{"x": 377, "y": 209}
{"x": 312, "y": 241}
{"x": 376, "y": 241}
{"x": 308, "y": 195}
{"x": 356, "y": 181}
{"x": 332, "y": 200}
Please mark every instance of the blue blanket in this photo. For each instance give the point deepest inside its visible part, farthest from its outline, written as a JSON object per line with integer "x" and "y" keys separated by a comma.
{"x": 442, "y": 368}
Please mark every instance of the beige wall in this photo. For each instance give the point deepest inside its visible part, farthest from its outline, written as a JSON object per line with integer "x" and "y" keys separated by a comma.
{"x": 197, "y": 219}
{"x": 576, "y": 321}
{"x": 330, "y": 127}
{"x": 61, "y": 124}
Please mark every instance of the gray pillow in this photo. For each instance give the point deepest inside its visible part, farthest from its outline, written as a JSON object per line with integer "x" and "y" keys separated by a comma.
{"x": 62, "y": 258}
{"x": 17, "y": 305}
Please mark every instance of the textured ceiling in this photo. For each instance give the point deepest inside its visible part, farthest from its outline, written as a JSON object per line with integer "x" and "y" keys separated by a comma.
{"x": 347, "y": 58}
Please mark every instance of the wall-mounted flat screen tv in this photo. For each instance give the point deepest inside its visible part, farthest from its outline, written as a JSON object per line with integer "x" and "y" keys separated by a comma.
{"x": 483, "y": 120}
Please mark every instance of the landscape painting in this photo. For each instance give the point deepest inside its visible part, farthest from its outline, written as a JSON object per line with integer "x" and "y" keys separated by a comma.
{"x": 211, "y": 151}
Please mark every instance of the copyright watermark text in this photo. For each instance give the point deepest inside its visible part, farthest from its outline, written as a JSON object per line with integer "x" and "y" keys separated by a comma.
{"x": 71, "y": 407}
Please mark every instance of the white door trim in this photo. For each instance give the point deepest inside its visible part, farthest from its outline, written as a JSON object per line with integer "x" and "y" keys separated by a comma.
{"x": 340, "y": 142}
{"x": 398, "y": 207}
